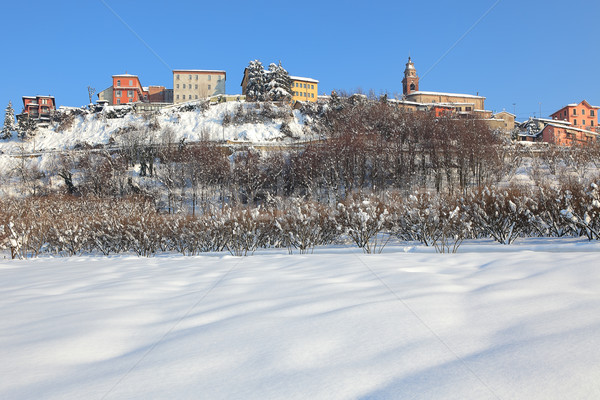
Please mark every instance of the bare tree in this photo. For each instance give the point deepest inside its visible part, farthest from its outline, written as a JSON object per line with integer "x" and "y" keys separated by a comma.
{"x": 91, "y": 92}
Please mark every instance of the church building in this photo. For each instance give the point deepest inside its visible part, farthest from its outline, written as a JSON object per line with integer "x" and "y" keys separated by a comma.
{"x": 438, "y": 102}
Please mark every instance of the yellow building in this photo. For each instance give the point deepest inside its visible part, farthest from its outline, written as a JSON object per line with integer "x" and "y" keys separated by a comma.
{"x": 304, "y": 89}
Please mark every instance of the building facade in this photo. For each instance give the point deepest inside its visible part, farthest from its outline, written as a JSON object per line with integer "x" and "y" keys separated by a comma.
{"x": 195, "y": 84}
{"x": 304, "y": 89}
{"x": 159, "y": 94}
{"x": 582, "y": 115}
{"x": 127, "y": 89}
{"x": 439, "y": 102}
{"x": 38, "y": 108}
{"x": 558, "y": 132}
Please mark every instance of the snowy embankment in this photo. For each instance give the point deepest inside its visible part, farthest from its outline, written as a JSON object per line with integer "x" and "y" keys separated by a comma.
{"x": 99, "y": 128}
{"x": 337, "y": 324}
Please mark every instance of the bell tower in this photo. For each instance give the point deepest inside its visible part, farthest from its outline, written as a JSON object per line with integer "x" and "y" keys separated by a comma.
{"x": 410, "y": 83}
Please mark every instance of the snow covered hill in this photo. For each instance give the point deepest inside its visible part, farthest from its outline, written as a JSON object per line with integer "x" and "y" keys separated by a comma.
{"x": 518, "y": 324}
{"x": 250, "y": 122}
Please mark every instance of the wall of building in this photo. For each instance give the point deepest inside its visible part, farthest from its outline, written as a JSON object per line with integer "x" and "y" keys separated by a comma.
{"x": 303, "y": 90}
{"x": 581, "y": 116}
{"x": 421, "y": 97}
{"x": 191, "y": 85}
{"x": 106, "y": 94}
{"x": 126, "y": 89}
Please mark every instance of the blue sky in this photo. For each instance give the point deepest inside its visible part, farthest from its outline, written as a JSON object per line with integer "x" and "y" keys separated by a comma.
{"x": 521, "y": 54}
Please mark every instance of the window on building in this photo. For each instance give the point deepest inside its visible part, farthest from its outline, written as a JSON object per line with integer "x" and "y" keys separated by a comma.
{"x": 118, "y": 83}
{"x": 177, "y": 97}
{"x": 574, "y": 111}
{"x": 118, "y": 93}
{"x": 592, "y": 113}
{"x": 312, "y": 95}
{"x": 196, "y": 86}
{"x": 592, "y": 122}
{"x": 190, "y": 77}
{"x": 130, "y": 82}
{"x": 574, "y": 122}
{"x": 177, "y": 76}
{"x": 177, "y": 86}
{"x": 196, "y": 96}
{"x": 312, "y": 86}
{"x": 118, "y": 101}
{"x": 130, "y": 93}
{"x": 184, "y": 85}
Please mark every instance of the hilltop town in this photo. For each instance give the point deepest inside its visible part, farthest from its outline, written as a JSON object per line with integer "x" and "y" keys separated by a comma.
{"x": 575, "y": 123}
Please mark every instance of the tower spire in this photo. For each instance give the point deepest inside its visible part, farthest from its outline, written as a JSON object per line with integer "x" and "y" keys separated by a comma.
{"x": 410, "y": 83}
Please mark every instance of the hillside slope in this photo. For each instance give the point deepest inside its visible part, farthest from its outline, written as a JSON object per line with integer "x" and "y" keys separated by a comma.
{"x": 231, "y": 121}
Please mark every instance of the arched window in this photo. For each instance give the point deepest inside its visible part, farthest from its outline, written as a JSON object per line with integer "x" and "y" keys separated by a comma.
{"x": 412, "y": 86}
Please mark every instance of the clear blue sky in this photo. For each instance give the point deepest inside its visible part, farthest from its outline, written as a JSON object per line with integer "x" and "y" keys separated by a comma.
{"x": 522, "y": 52}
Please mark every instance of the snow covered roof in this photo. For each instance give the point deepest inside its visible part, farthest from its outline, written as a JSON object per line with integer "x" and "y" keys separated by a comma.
{"x": 446, "y": 94}
{"x": 145, "y": 88}
{"x": 574, "y": 129}
{"x": 300, "y": 78}
{"x": 199, "y": 70}
{"x": 505, "y": 112}
{"x": 125, "y": 75}
{"x": 553, "y": 121}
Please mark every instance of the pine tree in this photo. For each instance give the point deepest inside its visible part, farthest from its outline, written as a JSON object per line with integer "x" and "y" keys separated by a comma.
{"x": 255, "y": 89}
{"x": 26, "y": 127}
{"x": 279, "y": 84}
{"x": 9, "y": 122}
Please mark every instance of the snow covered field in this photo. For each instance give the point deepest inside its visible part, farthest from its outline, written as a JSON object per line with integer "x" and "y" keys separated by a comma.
{"x": 492, "y": 322}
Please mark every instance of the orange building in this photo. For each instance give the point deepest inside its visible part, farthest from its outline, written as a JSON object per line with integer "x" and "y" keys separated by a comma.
{"x": 582, "y": 115}
{"x": 564, "y": 135}
{"x": 128, "y": 89}
{"x": 561, "y": 133}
